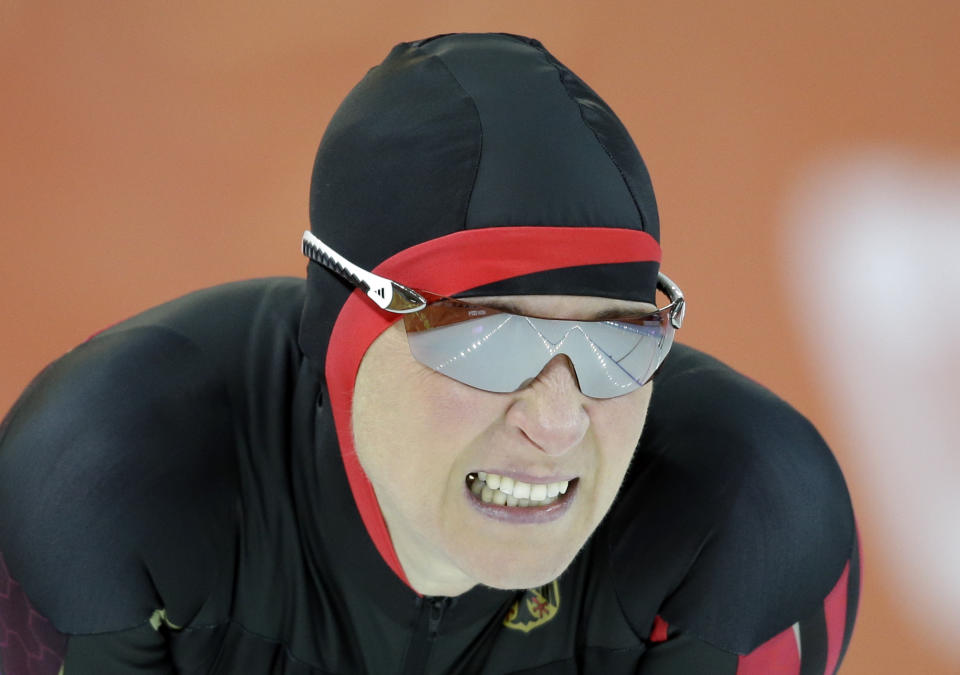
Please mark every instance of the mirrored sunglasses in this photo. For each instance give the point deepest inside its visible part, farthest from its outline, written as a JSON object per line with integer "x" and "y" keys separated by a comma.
{"x": 501, "y": 351}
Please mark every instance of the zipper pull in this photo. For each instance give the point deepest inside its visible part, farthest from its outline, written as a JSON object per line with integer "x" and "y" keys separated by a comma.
{"x": 437, "y": 607}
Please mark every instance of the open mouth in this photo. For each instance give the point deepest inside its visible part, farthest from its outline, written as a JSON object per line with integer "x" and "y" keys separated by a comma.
{"x": 497, "y": 490}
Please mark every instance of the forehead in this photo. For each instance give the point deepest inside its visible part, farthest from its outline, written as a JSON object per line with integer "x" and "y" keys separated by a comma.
{"x": 578, "y": 307}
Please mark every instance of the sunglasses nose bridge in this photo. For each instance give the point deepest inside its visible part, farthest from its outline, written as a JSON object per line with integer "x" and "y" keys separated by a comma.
{"x": 561, "y": 341}
{"x": 560, "y": 367}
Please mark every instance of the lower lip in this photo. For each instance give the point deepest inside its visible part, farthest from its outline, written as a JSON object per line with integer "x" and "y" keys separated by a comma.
{"x": 524, "y": 514}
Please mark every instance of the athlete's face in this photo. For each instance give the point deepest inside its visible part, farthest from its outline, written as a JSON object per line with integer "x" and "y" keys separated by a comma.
{"x": 423, "y": 439}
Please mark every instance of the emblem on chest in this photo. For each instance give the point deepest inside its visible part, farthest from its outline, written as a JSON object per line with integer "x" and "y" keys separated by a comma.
{"x": 534, "y": 608}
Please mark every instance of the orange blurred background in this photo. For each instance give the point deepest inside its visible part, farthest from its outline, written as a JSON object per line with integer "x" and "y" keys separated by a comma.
{"x": 147, "y": 150}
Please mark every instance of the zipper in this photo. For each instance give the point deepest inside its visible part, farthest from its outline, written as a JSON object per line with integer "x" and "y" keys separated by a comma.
{"x": 426, "y": 631}
{"x": 437, "y": 607}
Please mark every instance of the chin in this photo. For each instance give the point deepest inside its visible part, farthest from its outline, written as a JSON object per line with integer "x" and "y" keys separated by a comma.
{"x": 521, "y": 575}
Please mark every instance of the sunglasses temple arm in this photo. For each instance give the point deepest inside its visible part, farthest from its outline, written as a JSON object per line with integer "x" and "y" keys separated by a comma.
{"x": 673, "y": 292}
{"x": 387, "y": 294}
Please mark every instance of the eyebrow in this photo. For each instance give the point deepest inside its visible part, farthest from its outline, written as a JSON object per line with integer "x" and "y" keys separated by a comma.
{"x": 603, "y": 315}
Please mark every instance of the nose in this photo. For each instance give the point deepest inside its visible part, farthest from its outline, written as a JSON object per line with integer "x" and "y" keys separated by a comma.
{"x": 549, "y": 410}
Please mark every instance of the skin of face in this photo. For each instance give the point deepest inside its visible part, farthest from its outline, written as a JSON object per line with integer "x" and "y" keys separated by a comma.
{"x": 418, "y": 434}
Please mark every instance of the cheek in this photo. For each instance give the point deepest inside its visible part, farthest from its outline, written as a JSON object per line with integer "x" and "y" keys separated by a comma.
{"x": 409, "y": 420}
{"x": 386, "y": 413}
{"x": 456, "y": 407}
{"x": 618, "y": 422}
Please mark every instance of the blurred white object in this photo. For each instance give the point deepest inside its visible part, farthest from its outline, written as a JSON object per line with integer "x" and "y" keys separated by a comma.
{"x": 872, "y": 257}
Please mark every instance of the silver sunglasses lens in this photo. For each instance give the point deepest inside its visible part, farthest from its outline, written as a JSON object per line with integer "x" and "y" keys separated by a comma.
{"x": 500, "y": 352}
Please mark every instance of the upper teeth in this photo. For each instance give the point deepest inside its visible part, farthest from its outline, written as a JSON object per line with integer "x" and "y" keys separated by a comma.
{"x": 491, "y": 487}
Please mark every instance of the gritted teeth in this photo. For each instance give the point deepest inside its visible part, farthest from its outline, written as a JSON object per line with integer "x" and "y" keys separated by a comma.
{"x": 504, "y": 490}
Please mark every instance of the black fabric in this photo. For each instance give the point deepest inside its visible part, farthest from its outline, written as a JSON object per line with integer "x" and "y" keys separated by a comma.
{"x": 541, "y": 163}
{"x": 142, "y": 645}
{"x": 684, "y": 655}
{"x": 625, "y": 281}
{"x": 397, "y": 163}
{"x": 853, "y": 598}
{"x": 128, "y": 405}
{"x": 776, "y": 487}
{"x": 182, "y": 460}
{"x": 469, "y": 131}
{"x": 813, "y": 644}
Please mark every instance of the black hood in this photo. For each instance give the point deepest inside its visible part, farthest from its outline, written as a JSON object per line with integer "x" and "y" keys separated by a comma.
{"x": 475, "y": 132}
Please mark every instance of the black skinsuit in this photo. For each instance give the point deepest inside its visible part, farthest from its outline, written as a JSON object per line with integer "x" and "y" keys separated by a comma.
{"x": 173, "y": 463}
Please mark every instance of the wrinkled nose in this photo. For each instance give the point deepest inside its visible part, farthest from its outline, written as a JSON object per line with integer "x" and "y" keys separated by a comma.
{"x": 549, "y": 410}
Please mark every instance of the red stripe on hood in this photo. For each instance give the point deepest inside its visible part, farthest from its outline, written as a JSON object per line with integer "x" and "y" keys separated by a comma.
{"x": 780, "y": 655}
{"x": 449, "y": 265}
